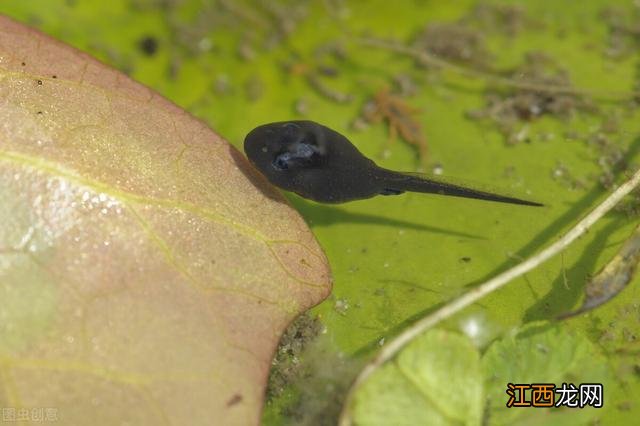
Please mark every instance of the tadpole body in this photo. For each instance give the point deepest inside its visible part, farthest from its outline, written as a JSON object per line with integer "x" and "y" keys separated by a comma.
{"x": 320, "y": 164}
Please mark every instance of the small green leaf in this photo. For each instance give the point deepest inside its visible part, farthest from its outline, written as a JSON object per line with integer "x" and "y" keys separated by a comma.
{"x": 439, "y": 379}
{"x": 542, "y": 355}
{"x": 436, "y": 380}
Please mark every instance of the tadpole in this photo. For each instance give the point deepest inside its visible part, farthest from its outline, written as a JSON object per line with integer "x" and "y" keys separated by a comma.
{"x": 320, "y": 164}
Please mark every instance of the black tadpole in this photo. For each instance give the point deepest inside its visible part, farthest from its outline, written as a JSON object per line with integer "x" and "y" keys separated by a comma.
{"x": 318, "y": 163}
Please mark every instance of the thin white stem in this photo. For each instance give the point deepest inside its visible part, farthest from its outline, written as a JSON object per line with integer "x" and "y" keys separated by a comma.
{"x": 472, "y": 296}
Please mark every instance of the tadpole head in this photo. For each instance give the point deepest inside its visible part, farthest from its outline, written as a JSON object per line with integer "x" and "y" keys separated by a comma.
{"x": 280, "y": 150}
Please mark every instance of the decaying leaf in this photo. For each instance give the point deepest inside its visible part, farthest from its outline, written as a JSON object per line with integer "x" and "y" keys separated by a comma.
{"x": 399, "y": 116}
{"x": 146, "y": 271}
{"x": 614, "y": 277}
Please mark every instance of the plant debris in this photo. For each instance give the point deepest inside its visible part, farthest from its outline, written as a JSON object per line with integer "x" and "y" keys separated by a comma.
{"x": 454, "y": 42}
{"x": 513, "y": 107}
{"x": 254, "y": 88}
{"x": 623, "y": 37}
{"x": 148, "y": 45}
{"x": 506, "y": 18}
{"x": 323, "y": 66}
{"x": 463, "y": 42}
{"x": 322, "y": 388}
{"x": 562, "y": 174}
{"x": 286, "y": 365}
{"x": 614, "y": 277}
{"x": 612, "y": 158}
{"x": 400, "y": 117}
{"x": 341, "y": 306}
{"x": 318, "y": 374}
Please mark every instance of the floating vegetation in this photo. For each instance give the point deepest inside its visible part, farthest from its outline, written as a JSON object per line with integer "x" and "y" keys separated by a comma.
{"x": 562, "y": 174}
{"x": 454, "y": 42}
{"x": 254, "y": 88}
{"x": 222, "y": 85}
{"x": 301, "y": 106}
{"x": 317, "y": 83}
{"x": 317, "y": 73}
{"x": 341, "y": 306}
{"x": 190, "y": 36}
{"x": 612, "y": 159}
{"x": 319, "y": 374}
{"x": 405, "y": 85}
{"x": 400, "y": 117}
{"x": 286, "y": 362}
{"x": 271, "y": 22}
{"x": 463, "y": 42}
{"x": 148, "y": 45}
{"x": 511, "y": 108}
{"x": 623, "y": 37}
{"x": 614, "y": 277}
{"x": 506, "y": 18}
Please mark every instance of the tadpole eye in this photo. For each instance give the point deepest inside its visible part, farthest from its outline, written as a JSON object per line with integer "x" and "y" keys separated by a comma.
{"x": 301, "y": 155}
{"x": 281, "y": 162}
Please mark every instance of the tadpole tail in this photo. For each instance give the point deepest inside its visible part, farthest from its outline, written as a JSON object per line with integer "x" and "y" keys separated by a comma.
{"x": 395, "y": 183}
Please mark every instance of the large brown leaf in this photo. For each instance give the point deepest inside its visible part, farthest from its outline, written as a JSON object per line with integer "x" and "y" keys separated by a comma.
{"x": 146, "y": 271}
